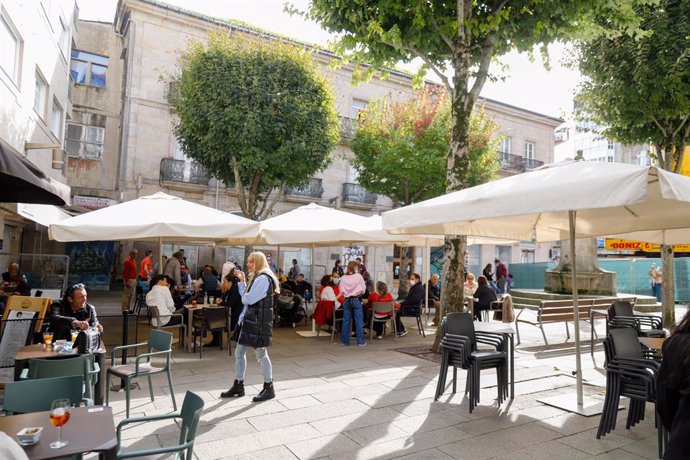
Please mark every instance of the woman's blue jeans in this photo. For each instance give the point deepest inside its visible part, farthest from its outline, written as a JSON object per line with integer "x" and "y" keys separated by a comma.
{"x": 352, "y": 307}
{"x": 261, "y": 356}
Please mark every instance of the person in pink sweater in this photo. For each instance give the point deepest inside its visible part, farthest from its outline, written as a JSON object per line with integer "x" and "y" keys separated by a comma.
{"x": 352, "y": 287}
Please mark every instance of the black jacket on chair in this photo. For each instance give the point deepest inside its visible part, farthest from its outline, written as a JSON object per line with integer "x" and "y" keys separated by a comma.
{"x": 257, "y": 325}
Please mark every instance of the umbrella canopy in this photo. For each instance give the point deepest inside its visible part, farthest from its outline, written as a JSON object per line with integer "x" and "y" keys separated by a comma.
{"x": 556, "y": 202}
{"x": 317, "y": 225}
{"x": 22, "y": 182}
{"x": 610, "y": 199}
{"x": 158, "y": 216}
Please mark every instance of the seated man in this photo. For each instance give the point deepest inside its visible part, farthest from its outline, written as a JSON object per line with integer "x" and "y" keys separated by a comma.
{"x": 186, "y": 290}
{"x": 160, "y": 297}
{"x": 14, "y": 282}
{"x": 72, "y": 312}
{"x": 413, "y": 302}
{"x": 434, "y": 296}
{"x": 303, "y": 287}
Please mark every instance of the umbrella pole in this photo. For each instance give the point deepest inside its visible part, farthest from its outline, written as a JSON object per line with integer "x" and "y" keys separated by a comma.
{"x": 566, "y": 402}
{"x": 160, "y": 255}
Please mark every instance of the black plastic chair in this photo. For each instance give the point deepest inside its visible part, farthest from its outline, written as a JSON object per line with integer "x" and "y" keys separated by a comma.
{"x": 213, "y": 319}
{"x": 630, "y": 372}
{"x": 621, "y": 315}
{"x": 414, "y": 312}
{"x": 459, "y": 349}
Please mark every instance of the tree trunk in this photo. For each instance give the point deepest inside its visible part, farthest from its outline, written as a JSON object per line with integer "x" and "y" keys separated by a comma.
{"x": 402, "y": 277}
{"x": 455, "y": 247}
{"x": 667, "y": 287}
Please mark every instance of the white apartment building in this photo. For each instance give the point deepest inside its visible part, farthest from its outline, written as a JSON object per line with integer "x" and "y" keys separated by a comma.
{"x": 35, "y": 44}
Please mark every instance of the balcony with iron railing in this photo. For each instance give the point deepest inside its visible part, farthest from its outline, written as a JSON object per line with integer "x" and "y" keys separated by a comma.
{"x": 313, "y": 191}
{"x": 517, "y": 163}
{"x": 348, "y": 128}
{"x": 355, "y": 194}
{"x": 183, "y": 172}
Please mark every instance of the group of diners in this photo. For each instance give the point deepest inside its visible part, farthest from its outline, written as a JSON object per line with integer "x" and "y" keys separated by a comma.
{"x": 354, "y": 295}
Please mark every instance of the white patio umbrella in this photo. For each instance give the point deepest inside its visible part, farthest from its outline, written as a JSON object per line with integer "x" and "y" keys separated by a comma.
{"x": 560, "y": 201}
{"x": 160, "y": 217}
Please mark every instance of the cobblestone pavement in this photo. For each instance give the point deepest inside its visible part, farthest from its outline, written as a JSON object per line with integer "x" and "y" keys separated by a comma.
{"x": 360, "y": 403}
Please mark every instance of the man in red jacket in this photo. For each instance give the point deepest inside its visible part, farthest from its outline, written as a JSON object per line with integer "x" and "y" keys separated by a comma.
{"x": 129, "y": 275}
{"x": 501, "y": 276}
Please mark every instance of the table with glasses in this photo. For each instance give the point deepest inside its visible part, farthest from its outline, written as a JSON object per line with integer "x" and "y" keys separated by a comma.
{"x": 37, "y": 350}
{"x": 89, "y": 429}
{"x": 507, "y": 330}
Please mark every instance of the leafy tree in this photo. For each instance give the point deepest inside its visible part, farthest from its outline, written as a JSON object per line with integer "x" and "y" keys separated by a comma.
{"x": 401, "y": 147}
{"x": 638, "y": 90}
{"x": 256, "y": 114}
{"x": 459, "y": 39}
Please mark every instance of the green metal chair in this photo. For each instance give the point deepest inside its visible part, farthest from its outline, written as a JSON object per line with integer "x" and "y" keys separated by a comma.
{"x": 26, "y": 396}
{"x": 192, "y": 406}
{"x": 159, "y": 345}
{"x": 84, "y": 365}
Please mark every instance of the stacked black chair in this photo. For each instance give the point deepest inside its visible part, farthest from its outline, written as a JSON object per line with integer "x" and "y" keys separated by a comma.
{"x": 630, "y": 372}
{"x": 621, "y": 315}
{"x": 459, "y": 349}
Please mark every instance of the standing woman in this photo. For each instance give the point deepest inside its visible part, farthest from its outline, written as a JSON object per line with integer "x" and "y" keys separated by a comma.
{"x": 673, "y": 390}
{"x": 352, "y": 287}
{"x": 255, "y": 324}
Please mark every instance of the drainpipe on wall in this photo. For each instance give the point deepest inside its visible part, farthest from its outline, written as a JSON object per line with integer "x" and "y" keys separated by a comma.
{"x": 127, "y": 106}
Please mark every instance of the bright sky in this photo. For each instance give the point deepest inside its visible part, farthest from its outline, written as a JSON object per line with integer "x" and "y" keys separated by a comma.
{"x": 526, "y": 84}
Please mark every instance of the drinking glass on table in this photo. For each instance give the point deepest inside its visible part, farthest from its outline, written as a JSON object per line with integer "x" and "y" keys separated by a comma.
{"x": 59, "y": 415}
{"x": 47, "y": 339}
{"x": 75, "y": 333}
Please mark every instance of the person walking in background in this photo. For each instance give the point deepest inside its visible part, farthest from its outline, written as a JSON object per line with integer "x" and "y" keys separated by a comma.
{"x": 294, "y": 271}
{"x": 501, "y": 276}
{"x": 255, "y": 325}
{"x": 656, "y": 278}
{"x": 146, "y": 266}
{"x": 129, "y": 276}
{"x": 673, "y": 390}
{"x": 352, "y": 287}
{"x": 172, "y": 267}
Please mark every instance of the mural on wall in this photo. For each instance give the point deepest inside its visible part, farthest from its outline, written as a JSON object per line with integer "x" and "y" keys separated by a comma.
{"x": 91, "y": 263}
{"x": 350, "y": 253}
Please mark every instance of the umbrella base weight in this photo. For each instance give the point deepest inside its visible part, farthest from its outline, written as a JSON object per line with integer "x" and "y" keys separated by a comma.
{"x": 568, "y": 402}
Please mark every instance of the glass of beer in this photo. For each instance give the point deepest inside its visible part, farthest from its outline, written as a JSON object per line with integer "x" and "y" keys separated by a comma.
{"x": 59, "y": 415}
{"x": 75, "y": 333}
{"x": 47, "y": 339}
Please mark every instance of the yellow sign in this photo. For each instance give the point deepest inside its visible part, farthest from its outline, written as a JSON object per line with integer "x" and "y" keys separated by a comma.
{"x": 627, "y": 245}
{"x": 685, "y": 165}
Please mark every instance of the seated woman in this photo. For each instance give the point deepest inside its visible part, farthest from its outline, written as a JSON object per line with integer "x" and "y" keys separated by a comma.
{"x": 485, "y": 295}
{"x": 208, "y": 281}
{"x": 230, "y": 297}
{"x": 327, "y": 292}
{"x": 470, "y": 286}
{"x": 381, "y": 294}
{"x": 160, "y": 297}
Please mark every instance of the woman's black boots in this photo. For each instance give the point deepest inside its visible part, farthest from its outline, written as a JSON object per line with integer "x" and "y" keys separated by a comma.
{"x": 265, "y": 394}
{"x": 237, "y": 390}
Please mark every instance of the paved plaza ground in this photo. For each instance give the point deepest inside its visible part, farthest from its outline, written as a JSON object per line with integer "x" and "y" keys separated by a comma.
{"x": 349, "y": 403}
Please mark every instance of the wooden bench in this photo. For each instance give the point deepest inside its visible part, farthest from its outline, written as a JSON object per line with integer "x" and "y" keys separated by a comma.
{"x": 553, "y": 311}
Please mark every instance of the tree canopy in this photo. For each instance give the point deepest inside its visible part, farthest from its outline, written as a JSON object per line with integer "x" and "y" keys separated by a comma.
{"x": 638, "y": 88}
{"x": 256, "y": 114}
{"x": 401, "y": 147}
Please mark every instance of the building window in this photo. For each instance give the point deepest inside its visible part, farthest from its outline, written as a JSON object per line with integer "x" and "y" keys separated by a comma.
{"x": 610, "y": 145}
{"x": 84, "y": 141}
{"x": 10, "y": 49}
{"x": 506, "y": 145}
{"x": 56, "y": 119}
{"x": 64, "y": 38}
{"x": 529, "y": 150}
{"x": 357, "y": 106}
{"x": 609, "y": 158}
{"x": 643, "y": 158}
{"x": 40, "y": 95}
{"x": 88, "y": 69}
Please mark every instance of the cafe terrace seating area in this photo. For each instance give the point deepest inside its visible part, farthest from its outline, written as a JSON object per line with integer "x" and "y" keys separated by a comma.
{"x": 376, "y": 402}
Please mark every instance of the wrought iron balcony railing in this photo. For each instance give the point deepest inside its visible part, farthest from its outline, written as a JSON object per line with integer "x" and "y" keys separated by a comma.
{"x": 355, "y": 193}
{"x": 183, "y": 171}
{"x": 314, "y": 189}
{"x": 516, "y": 163}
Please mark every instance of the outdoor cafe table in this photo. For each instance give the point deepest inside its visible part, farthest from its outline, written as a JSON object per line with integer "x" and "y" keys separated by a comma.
{"x": 508, "y": 331}
{"x": 37, "y": 351}
{"x": 653, "y": 343}
{"x": 90, "y": 429}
